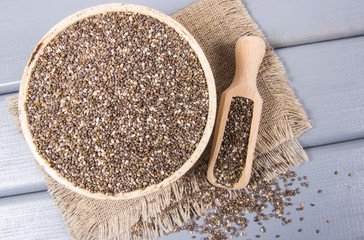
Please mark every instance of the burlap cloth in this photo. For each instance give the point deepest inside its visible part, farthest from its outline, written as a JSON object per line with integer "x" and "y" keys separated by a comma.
{"x": 216, "y": 25}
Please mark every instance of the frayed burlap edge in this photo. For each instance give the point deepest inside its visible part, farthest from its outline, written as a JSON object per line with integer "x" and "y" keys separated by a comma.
{"x": 101, "y": 223}
{"x": 277, "y": 148}
{"x": 13, "y": 109}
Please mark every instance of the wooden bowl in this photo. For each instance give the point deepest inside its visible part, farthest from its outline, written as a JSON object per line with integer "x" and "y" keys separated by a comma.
{"x": 118, "y": 8}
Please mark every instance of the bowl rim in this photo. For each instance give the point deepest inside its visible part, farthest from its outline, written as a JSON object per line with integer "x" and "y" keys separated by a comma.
{"x": 129, "y": 8}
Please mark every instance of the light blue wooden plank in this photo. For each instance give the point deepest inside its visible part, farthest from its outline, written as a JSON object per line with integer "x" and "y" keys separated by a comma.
{"x": 18, "y": 172}
{"x": 293, "y": 22}
{"x": 34, "y": 216}
{"x": 31, "y": 217}
{"x": 328, "y": 79}
{"x": 9, "y": 87}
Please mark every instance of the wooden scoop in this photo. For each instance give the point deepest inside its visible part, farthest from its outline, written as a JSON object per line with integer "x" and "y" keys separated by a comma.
{"x": 249, "y": 53}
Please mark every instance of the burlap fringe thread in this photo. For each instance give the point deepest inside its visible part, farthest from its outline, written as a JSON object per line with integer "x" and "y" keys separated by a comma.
{"x": 159, "y": 213}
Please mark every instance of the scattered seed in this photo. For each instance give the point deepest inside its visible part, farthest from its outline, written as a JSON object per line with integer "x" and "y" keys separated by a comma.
{"x": 319, "y": 191}
{"x": 228, "y": 218}
{"x": 312, "y": 204}
{"x": 317, "y": 231}
{"x": 301, "y": 218}
{"x": 300, "y": 230}
{"x": 329, "y": 221}
{"x": 350, "y": 174}
{"x": 278, "y": 236}
{"x": 349, "y": 186}
{"x": 336, "y": 172}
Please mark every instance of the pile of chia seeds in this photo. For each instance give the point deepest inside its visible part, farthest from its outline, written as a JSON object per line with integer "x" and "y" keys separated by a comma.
{"x": 117, "y": 102}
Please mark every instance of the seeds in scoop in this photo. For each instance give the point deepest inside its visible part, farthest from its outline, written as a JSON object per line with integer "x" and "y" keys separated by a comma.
{"x": 117, "y": 102}
{"x": 230, "y": 161}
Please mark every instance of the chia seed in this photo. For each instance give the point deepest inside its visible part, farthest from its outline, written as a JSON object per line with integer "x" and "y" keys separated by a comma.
{"x": 230, "y": 161}
{"x": 117, "y": 102}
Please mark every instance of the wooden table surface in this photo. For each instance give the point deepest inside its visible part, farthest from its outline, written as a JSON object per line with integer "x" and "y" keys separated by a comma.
{"x": 321, "y": 43}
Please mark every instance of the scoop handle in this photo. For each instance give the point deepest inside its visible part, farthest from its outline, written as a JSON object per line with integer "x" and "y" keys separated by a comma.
{"x": 249, "y": 53}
